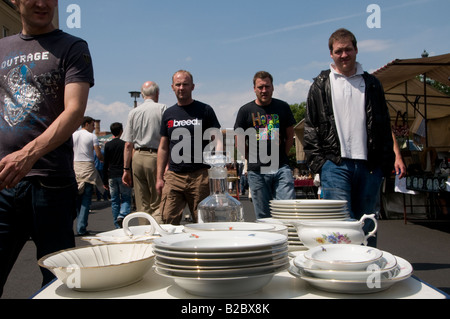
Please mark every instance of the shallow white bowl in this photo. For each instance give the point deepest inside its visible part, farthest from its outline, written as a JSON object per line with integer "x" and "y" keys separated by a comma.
{"x": 386, "y": 267}
{"x": 228, "y": 287}
{"x": 101, "y": 267}
{"x": 343, "y": 257}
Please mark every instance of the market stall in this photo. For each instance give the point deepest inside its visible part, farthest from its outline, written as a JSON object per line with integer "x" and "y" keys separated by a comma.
{"x": 423, "y": 107}
{"x": 421, "y": 122}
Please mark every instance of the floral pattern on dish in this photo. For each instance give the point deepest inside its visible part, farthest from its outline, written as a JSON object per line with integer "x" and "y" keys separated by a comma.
{"x": 334, "y": 238}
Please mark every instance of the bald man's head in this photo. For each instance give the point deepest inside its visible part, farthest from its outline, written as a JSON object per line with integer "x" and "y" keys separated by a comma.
{"x": 150, "y": 90}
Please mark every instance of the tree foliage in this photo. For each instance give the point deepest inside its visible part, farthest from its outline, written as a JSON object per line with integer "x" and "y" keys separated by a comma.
{"x": 299, "y": 111}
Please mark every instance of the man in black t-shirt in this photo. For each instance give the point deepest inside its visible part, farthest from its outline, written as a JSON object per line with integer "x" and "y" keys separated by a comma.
{"x": 268, "y": 125}
{"x": 182, "y": 176}
{"x": 121, "y": 194}
{"x": 45, "y": 77}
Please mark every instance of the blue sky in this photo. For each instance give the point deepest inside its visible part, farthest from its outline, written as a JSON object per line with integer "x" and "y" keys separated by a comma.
{"x": 224, "y": 43}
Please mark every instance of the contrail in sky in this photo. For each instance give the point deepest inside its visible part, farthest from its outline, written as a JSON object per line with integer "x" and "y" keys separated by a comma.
{"x": 316, "y": 23}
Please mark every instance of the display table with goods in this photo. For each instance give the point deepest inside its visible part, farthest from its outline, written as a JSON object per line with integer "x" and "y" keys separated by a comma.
{"x": 234, "y": 260}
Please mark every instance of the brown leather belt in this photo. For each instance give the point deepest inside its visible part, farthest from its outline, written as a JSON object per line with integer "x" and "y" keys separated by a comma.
{"x": 146, "y": 149}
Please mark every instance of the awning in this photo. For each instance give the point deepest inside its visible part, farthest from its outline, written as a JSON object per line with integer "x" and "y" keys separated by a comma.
{"x": 405, "y": 93}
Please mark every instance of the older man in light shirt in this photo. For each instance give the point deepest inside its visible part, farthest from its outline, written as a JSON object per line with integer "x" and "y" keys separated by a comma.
{"x": 142, "y": 139}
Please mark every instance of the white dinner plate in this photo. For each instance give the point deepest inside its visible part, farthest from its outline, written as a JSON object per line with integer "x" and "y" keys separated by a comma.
{"x": 309, "y": 216}
{"x": 222, "y": 261}
{"x": 306, "y": 210}
{"x": 223, "y": 273}
{"x": 309, "y": 203}
{"x": 228, "y": 227}
{"x": 289, "y": 219}
{"x": 356, "y": 286}
{"x": 220, "y": 241}
{"x": 221, "y": 254}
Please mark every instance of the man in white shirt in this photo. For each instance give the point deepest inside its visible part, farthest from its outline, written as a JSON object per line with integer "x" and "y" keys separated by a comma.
{"x": 85, "y": 143}
{"x": 348, "y": 138}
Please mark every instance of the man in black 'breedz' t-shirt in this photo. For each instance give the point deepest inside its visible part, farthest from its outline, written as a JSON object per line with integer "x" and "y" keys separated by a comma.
{"x": 182, "y": 143}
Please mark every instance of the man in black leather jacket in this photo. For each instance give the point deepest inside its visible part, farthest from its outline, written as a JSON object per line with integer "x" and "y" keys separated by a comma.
{"x": 348, "y": 138}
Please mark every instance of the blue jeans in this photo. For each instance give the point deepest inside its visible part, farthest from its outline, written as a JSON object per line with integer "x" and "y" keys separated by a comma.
{"x": 120, "y": 199}
{"x": 267, "y": 187}
{"x": 354, "y": 182}
{"x": 83, "y": 207}
{"x": 40, "y": 208}
{"x": 243, "y": 184}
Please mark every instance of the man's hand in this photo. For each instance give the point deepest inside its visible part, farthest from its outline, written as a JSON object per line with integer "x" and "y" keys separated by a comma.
{"x": 14, "y": 167}
{"x": 159, "y": 186}
{"x": 127, "y": 179}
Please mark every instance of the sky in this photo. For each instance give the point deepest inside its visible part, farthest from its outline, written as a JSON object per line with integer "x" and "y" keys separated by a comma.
{"x": 224, "y": 43}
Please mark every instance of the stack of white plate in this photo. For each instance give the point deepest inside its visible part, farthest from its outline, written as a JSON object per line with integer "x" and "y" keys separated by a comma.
{"x": 221, "y": 264}
{"x": 309, "y": 209}
{"x": 350, "y": 269}
{"x": 236, "y": 226}
{"x": 286, "y": 211}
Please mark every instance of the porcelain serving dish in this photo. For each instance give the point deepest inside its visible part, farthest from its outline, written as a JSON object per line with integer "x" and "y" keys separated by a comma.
{"x": 323, "y": 232}
{"x": 101, "y": 267}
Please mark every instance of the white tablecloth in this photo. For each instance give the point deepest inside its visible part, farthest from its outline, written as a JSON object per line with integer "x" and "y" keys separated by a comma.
{"x": 282, "y": 286}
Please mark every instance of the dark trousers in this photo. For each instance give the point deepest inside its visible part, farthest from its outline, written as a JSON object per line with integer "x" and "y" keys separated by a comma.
{"x": 41, "y": 209}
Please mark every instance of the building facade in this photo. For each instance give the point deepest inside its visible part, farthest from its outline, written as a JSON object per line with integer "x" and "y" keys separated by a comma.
{"x": 10, "y": 22}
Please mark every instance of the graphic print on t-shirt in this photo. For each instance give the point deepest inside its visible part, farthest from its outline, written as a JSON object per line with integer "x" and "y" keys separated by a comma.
{"x": 267, "y": 126}
{"x": 24, "y": 96}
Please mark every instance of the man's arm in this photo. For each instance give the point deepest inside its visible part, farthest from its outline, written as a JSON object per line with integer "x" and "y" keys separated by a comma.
{"x": 399, "y": 165}
{"x": 98, "y": 152}
{"x": 127, "y": 178}
{"x": 15, "y": 166}
{"x": 163, "y": 159}
{"x": 289, "y": 139}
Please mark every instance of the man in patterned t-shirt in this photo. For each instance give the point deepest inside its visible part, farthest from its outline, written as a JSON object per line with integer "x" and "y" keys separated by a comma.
{"x": 271, "y": 123}
{"x": 45, "y": 77}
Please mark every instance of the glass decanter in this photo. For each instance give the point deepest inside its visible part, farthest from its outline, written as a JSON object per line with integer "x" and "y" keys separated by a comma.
{"x": 219, "y": 206}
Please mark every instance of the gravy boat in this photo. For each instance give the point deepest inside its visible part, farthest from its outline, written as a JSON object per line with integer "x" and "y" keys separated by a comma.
{"x": 316, "y": 233}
